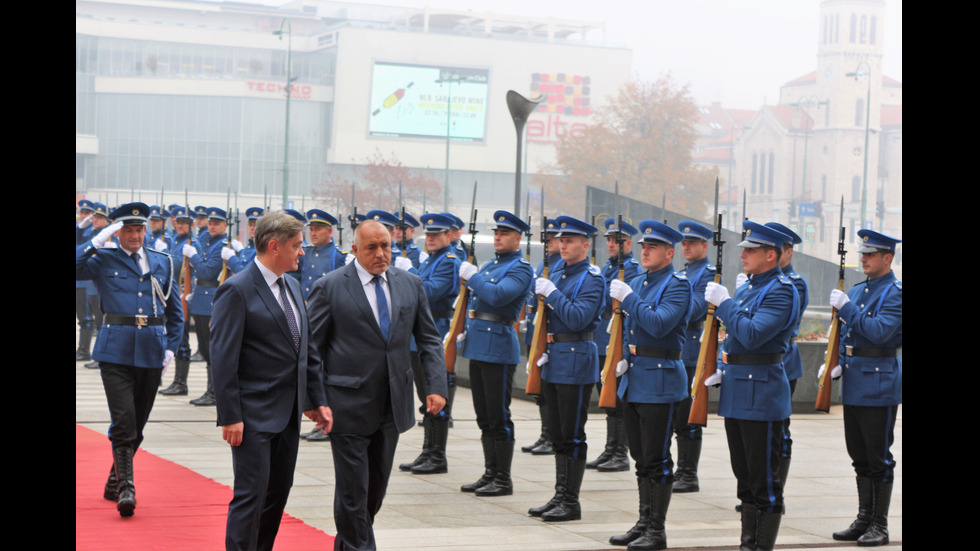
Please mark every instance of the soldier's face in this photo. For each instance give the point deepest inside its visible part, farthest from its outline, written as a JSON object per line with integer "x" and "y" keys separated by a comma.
{"x": 506, "y": 241}
{"x": 156, "y": 224}
{"x": 131, "y": 237}
{"x": 183, "y": 226}
{"x": 612, "y": 247}
{"x": 876, "y": 264}
{"x": 436, "y": 241}
{"x": 251, "y": 228}
{"x": 573, "y": 248}
{"x": 99, "y": 221}
{"x": 694, "y": 249}
{"x": 217, "y": 227}
{"x": 758, "y": 260}
{"x": 656, "y": 256}
{"x": 320, "y": 234}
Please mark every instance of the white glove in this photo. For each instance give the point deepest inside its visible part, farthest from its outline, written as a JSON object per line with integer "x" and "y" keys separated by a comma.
{"x": 188, "y": 250}
{"x": 838, "y": 298}
{"x": 461, "y": 337}
{"x": 227, "y": 254}
{"x": 110, "y": 245}
{"x": 237, "y": 245}
{"x": 835, "y": 373}
{"x": 713, "y": 380}
{"x": 85, "y": 222}
{"x": 622, "y": 366}
{"x": 188, "y": 297}
{"x": 167, "y": 356}
{"x": 740, "y": 280}
{"x": 715, "y": 294}
{"x": 403, "y": 262}
{"x": 527, "y": 368}
{"x": 106, "y": 234}
{"x": 619, "y": 290}
{"x": 543, "y": 360}
{"x": 422, "y": 256}
{"x": 350, "y": 258}
{"x": 466, "y": 270}
{"x": 523, "y": 325}
{"x": 544, "y": 286}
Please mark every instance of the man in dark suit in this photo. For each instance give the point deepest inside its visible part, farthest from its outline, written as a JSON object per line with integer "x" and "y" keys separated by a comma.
{"x": 362, "y": 319}
{"x": 263, "y": 380}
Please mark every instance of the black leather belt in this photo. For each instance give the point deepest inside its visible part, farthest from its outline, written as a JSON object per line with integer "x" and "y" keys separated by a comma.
{"x": 487, "y": 316}
{"x": 751, "y": 359}
{"x": 872, "y": 352}
{"x": 139, "y": 321}
{"x": 570, "y": 337}
{"x": 439, "y": 314}
{"x": 695, "y": 325}
{"x": 207, "y": 282}
{"x": 648, "y": 352}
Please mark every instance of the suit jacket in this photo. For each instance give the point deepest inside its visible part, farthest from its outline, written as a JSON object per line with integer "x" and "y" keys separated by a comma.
{"x": 259, "y": 376}
{"x": 361, "y": 369}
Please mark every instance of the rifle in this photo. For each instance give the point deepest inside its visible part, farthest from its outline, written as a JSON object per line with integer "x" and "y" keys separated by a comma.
{"x": 458, "y": 323}
{"x": 708, "y": 355}
{"x": 185, "y": 271}
{"x": 527, "y": 256}
{"x": 539, "y": 341}
{"x": 401, "y": 223}
{"x": 614, "y": 352}
{"x": 832, "y": 357}
{"x": 224, "y": 263}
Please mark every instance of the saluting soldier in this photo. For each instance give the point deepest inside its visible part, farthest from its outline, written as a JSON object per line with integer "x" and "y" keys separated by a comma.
{"x": 755, "y": 398}
{"x": 698, "y": 272}
{"x": 491, "y": 344}
{"x": 182, "y": 362}
{"x": 83, "y": 232}
{"x": 207, "y": 264}
{"x": 542, "y": 446}
{"x": 574, "y": 294}
{"x": 613, "y": 457}
{"x": 657, "y": 306}
{"x": 143, "y": 323}
{"x": 871, "y": 362}
{"x": 322, "y": 255}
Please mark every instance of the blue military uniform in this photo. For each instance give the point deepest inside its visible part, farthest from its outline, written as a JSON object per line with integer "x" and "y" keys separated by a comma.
{"x": 182, "y": 361}
{"x": 571, "y": 370}
{"x": 157, "y": 213}
{"x": 318, "y": 261}
{"x": 86, "y": 297}
{"x": 412, "y": 251}
{"x": 141, "y": 331}
{"x": 657, "y": 308}
{"x": 755, "y": 396}
{"x": 248, "y": 252}
{"x": 491, "y": 344}
{"x": 871, "y": 389}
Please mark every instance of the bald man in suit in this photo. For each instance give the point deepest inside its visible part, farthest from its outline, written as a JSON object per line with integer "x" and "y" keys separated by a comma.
{"x": 362, "y": 319}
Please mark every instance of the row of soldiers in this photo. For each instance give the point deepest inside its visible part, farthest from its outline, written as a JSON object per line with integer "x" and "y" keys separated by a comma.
{"x": 664, "y": 314}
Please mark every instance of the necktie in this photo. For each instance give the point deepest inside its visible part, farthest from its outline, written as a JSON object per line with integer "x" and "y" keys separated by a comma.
{"x": 136, "y": 260}
{"x": 290, "y": 317}
{"x": 384, "y": 319}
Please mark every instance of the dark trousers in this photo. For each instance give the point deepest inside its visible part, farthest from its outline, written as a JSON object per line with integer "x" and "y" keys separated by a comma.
{"x": 869, "y": 432}
{"x": 568, "y": 408}
{"x": 491, "y": 385}
{"x": 202, "y": 326}
{"x": 130, "y": 392}
{"x": 682, "y": 411}
{"x": 362, "y": 466}
{"x": 81, "y": 309}
{"x": 754, "y": 449}
{"x": 263, "y": 465}
{"x": 786, "y": 448}
{"x": 648, "y": 430}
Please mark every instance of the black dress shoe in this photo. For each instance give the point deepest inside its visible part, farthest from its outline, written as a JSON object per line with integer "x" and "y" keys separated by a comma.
{"x": 318, "y": 436}
{"x": 207, "y": 399}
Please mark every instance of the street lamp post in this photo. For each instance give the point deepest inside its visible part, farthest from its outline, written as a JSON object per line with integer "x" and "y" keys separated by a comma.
{"x": 520, "y": 109}
{"x": 867, "y": 132}
{"x": 289, "y": 84}
{"x": 448, "y": 77}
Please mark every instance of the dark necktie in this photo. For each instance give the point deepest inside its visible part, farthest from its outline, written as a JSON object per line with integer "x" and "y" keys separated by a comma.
{"x": 136, "y": 260}
{"x": 290, "y": 317}
{"x": 384, "y": 318}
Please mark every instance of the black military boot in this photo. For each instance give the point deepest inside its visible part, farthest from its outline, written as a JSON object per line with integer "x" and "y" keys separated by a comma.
{"x": 655, "y": 535}
{"x": 436, "y": 462}
{"x": 111, "y": 490}
{"x": 686, "y": 476}
{"x": 179, "y": 386}
{"x": 618, "y": 461}
{"x": 569, "y": 507}
{"x": 766, "y": 530}
{"x": 645, "y": 487}
{"x": 126, "y": 498}
{"x": 426, "y": 445}
{"x": 83, "y": 353}
{"x": 865, "y": 508}
{"x": 877, "y": 533}
{"x": 206, "y": 399}
{"x": 501, "y": 485}
{"x": 750, "y": 521}
{"x": 489, "y": 466}
{"x": 561, "y": 485}
{"x": 607, "y": 453}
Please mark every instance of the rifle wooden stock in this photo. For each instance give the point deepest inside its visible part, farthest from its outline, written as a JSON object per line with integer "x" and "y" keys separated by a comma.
{"x": 707, "y": 365}
{"x": 614, "y": 353}
{"x": 520, "y": 318}
{"x": 831, "y": 359}
{"x": 456, "y": 327}
{"x": 185, "y": 273}
{"x": 539, "y": 343}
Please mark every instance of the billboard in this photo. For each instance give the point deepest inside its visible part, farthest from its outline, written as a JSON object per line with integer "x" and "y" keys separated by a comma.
{"x": 411, "y": 101}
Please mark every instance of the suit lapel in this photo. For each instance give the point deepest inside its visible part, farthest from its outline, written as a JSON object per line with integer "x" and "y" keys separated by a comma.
{"x": 356, "y": 292}
{"x": 265, "y": 293}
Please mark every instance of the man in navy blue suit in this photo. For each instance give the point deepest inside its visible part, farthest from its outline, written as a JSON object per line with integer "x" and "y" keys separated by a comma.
{"x": 263, "y": 381}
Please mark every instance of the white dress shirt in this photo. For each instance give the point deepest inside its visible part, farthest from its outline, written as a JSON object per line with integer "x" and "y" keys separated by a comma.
{"x": 367, "y": 284}
{"x": 270, "y": 280}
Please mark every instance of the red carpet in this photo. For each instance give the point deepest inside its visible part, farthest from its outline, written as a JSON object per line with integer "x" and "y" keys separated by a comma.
{"x": 176, "y": 508}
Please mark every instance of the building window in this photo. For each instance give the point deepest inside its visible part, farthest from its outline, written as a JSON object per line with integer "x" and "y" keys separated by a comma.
{"x": 871, "y": 31}
{"x": 864, "y": 29}
{"x": 856, "y": 188}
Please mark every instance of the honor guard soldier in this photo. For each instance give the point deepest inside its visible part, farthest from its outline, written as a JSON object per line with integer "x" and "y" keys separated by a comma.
{"x": 657, "y": 306}
{"x": 440, "y": 279}
{"x": 246, "y": 254}
{"x": 454, "y": 234}
{"x": 698, "y": 272}
{"x": 871, "y": 391}
{"x": 201, "y": 223}
{"x": 792, "y": 361}
{"x": 755, "y": 398}
{"x": 322, "y": 255}
{"x": 542, "y": 446}
{"x": 407, "y": 236}
{"x": 613, "y": 457}
{"x": 207, "y": 266}
{"x": 156, "y": 236}
{"x": 574, "y": 294}
{"x": 98, "y": 221}
{"x": 143, "y": 323}
{"x": 84, "y": 230}
{"x": 491, "y": 344}
{"x": 182, "y": 362}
